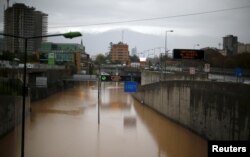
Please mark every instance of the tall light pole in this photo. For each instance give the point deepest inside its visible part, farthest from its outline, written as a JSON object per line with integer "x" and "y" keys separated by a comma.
{"x": 166, "y": 48}
{"x": 66, "y": 35}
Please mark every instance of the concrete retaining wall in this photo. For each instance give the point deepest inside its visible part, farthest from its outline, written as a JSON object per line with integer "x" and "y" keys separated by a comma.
{"x": 11, "y": 112}
{"x": 215, "y": 110}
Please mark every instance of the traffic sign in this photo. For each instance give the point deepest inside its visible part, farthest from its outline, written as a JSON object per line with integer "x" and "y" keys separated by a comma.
{"x": 192, "y": 70}
{"x": 130, "y": 86}
{"x": 238, "y": 72}
{"x": 207, "y": 68}
{"x": 104, "y": 78}
{"x": 117, "y": 78}
{"x": 188, "y": 54}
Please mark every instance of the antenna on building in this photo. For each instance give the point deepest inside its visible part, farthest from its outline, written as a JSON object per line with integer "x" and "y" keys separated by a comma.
{"x": 122, "y": 35}
{"x": 8, "y": 2}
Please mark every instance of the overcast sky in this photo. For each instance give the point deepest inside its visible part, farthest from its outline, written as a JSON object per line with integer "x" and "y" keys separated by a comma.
{"x": 203, "y": 29}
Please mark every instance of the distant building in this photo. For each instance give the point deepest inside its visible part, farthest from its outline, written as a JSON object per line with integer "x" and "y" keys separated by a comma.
{"x": 119, "y": 53}
{"x": 21, "y": 20}
{"x": 93, "y": 57}
{"x": 230, "y": 45}
{"x": 243, "y": 48}
{"x": 1, "y": 46}
{"x": 64, "y": 53}
{"x": 134, "y": 51}
{"x": 143, "y": 61}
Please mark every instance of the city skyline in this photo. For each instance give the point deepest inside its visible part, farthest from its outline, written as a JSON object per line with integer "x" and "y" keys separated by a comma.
{"x": 206, "y": 29}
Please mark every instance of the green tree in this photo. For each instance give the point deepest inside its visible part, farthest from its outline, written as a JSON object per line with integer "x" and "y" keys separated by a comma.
{"x": 243, "y": 60}
{"x": 91, "y": 68}
{"x": 116, "y": 62}
{"x": 134, "y": 58}
{"x": 100, "y": 59}
{"x": 110, "y": 46}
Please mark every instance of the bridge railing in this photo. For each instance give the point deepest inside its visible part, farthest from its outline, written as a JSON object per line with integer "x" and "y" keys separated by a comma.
{"x": 78, "y": 77}
{"x": 46, "y": 66}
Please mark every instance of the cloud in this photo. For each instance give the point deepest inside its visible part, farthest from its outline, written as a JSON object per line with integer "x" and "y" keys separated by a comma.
{"x": 187, "y": 30}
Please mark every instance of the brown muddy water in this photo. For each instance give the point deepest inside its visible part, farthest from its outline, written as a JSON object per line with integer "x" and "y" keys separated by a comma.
{"x": 65, "y": 125}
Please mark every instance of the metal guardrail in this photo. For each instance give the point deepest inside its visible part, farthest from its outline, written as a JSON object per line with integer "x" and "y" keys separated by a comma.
{"x": 78, "y": 77}
{"x": 221, "y": 71}
{"x": 246, "y": 72}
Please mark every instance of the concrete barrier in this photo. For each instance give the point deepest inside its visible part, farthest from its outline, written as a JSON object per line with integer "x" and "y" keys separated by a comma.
{"x": 156, "y": 76}
{"x": 215, "y": 110}
{"x": 11, "y": 112}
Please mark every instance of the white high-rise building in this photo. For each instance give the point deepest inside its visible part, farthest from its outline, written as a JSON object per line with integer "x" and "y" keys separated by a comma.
{"x": 133, "y": 51}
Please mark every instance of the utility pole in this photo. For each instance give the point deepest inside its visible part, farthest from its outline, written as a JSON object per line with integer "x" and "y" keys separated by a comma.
{"x": 166, "y": 48}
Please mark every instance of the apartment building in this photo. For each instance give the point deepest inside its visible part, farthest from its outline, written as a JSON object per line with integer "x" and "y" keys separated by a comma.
{"x": 25, "y": 21}
{"x": 119, "y": 53}
{"x": 63, "y": 54}
{"x": 230, "y": 45}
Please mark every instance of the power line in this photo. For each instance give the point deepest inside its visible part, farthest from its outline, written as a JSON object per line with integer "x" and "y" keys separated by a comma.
{"x": 154, "y": 18}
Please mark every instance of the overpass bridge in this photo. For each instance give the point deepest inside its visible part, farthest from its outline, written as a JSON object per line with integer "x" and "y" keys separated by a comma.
{"x": 80, "y": 77}
{"x": 112, "y": 70}
{"x": 120, "y": 70}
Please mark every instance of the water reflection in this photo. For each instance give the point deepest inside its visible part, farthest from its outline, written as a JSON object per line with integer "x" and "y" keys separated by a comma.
{"x": 129, "y": 122}
{"x": 10, "y": 144}
{"x": 172, "y": 139}
{"x": 65, "y": 124}
{"x": 10, "y": 114}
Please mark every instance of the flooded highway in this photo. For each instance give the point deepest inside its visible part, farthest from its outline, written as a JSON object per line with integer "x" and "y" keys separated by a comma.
{"x": 65, "y": 124}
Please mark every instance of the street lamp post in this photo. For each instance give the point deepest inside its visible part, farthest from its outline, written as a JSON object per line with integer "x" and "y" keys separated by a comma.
{"x": 166, "y": 48}
{"x": 66, "y": 35}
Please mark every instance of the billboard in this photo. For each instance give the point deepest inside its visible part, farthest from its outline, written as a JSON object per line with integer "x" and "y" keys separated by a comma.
{"x": 130, "y": 86}
{"x": 41, "y": 82}
{"x": 188, "y": 54}
{"x": 51, "y": 58}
